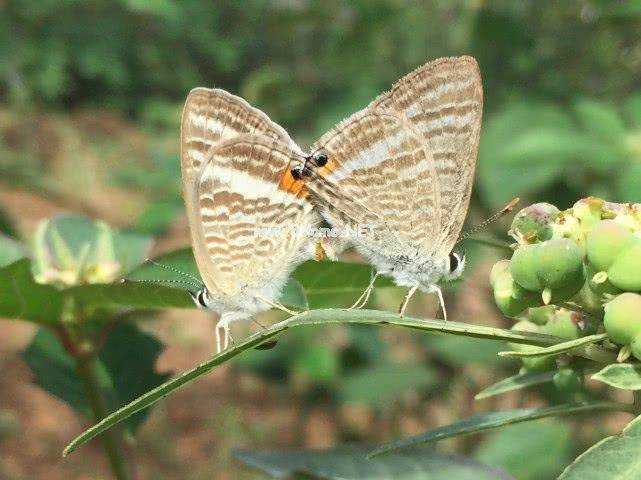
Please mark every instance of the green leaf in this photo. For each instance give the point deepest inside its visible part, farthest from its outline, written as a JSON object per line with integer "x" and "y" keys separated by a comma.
{"x": 314, "y": 317}
{"x": 600, "y": 120}
{"x": 22, "y": 298}
{"x": 55, "y": 370}
{"x": 328, "y": 284}
{"x": 629, "y": 182}
{"x": 10, "y": 250}
{"x": 548, "y": 445}
{"x": 7, "y": 226}
{"x": 613, "y": 458}
{"x": 381, "y": 384}
{"x": 350, "y": 463}
{"x": 558, "y": 349}
{"x": 129, "y": 357}
{"x": 124, "y": 368}
{"x": 488, "y": 421}
{"x": 626, "y": 376}
{"x": 516, "y": 382}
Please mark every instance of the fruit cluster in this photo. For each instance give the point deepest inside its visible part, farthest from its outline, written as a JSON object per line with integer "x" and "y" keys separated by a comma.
{"x": 573, "y": 273}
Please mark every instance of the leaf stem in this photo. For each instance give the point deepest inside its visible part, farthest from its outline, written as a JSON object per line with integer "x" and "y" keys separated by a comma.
{"x": 86, "y": 370}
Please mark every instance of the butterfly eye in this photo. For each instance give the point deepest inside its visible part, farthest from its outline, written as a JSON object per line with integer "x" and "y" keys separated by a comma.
{"x": 320, "y": 160}
{"x": 455, "y": 261}
{"x": 199, "y": 298}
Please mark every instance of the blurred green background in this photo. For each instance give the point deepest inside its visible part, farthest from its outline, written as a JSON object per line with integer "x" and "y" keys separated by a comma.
{"x": 91, "y": 93}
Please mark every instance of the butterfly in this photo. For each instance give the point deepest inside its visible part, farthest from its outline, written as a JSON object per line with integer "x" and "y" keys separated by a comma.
{"x": 237, "y": 186}
{"x": 400, "y": 173}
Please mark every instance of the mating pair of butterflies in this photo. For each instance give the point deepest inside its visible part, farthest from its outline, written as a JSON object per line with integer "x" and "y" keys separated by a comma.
{"x": 397, "y": 174}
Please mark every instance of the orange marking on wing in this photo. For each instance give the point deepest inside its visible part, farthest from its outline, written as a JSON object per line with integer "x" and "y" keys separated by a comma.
{"x": 289, "y": 184}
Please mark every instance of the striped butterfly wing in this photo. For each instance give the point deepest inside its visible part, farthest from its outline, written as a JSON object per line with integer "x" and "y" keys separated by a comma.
{"x": 443, "y": 103}
{"x": 378, "y": 174}
{"x": 410, "y": 155}
{"x": 249, "y": 230}
{"x": 216, "y": 121}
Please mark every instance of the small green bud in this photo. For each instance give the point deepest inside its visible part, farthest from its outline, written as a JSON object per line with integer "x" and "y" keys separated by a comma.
{"x": 622, "y": 320}
{"x": 555, "y": 265}
{"x": 588, "y": 211}
{"x": 625, "y": 272}
{"x": 510, "y": 297}
{"x": 605, "y": 242}
{"x": 533, "y": 223}
{"x": 567, "y": 380}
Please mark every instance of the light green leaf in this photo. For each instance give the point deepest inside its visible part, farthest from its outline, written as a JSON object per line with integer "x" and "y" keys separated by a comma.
{"x": 516, "y": 382}
{"x": 548, "y": 444}
{"x": 314, "y": 317}
{"x": 613, "y": 458}
{"x": 558, "y": 349}
{"x": 626, "y": 376}
{"x": 350, "y": 463}
{"x": 488, "y": 421}
{"x": 632, "y": 109}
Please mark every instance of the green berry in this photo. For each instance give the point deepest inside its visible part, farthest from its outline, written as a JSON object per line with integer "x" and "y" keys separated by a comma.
{"x": 510, "y": 297}
{"x": 568, "y": 380}
{"x": 588, "y": 212}
{"x": 564, "y": 324}
{"x": 541, "y": 315}
{"x": 622, "y": 318}
{"x": 533, "y": 223}
{"x": 605, "y": 242}
{"x": 554, "y": 267}
{"x": 625, "y": 271}
{"x": 533, "y": 364}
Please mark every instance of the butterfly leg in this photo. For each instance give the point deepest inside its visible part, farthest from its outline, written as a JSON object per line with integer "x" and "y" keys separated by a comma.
{"x": 362, "y": 300}
{"x": 436, "y": 289}
{"x": 276, "y": 305}
{"x": 410, "y": 294}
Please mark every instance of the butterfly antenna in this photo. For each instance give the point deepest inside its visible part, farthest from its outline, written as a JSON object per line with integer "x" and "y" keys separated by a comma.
{"x": 165, "y": 282}
{"x": 175, "y": 270}
{"x": 481, "y": 226}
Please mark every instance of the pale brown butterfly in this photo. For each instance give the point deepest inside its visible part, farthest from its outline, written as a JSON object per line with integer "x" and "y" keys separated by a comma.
{"x": 400, "y": 173}
{"x": 237, "y": 186}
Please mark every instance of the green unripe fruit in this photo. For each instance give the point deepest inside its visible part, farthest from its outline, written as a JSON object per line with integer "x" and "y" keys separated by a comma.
{"x": 567, "y": 380}
{"x": 622, "y": 318}
{"x": 533, "y": 364}
{"x": 605, "y": 242}
{"x": 541, "y": 315}
{"x": 554, "y": 267}
{"x": 589, "y": 212}
{"x": 625, "y": 272}
{"x": 564, "y": 324}
{"x": 510, "y": 297}
{"x": 533, "y": 223}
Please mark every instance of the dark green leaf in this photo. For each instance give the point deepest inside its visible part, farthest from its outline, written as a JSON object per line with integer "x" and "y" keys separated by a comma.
{"x": 488, "y": 421}
{"x": 350, "y": 463}
{"x": 6, "y": 225}
{"x": 55, "y": 370}
{"x": 22, "y": 298}
{"x": 626, "y": 376}
{"x": 600, "y": 120}
{"x": 516, "y": 382}
{"x": 314, "y": 317}
{"x": 125, "y": 368}
{"x": 614, "y": 458}
{"x": 632, "y": 110}
{"x": 548, "y": 445}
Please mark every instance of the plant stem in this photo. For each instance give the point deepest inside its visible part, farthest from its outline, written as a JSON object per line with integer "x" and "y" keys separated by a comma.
{"x": 85, "y": 367}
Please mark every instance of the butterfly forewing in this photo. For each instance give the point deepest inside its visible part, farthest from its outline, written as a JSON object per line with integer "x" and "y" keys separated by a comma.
{"x": 234, "y": 160}
{"x": 443, "y": 102}
{"x": 378, "y": 174}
